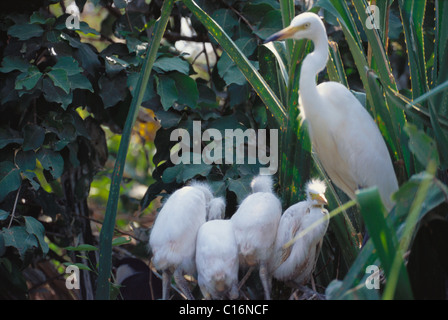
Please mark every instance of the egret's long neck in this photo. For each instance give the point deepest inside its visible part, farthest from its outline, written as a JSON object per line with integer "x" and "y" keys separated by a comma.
{"x": 312, "y": 65}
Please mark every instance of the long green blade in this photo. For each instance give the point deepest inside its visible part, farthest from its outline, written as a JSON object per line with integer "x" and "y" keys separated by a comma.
{"x": 383, "y": 238}
{"x": 105, "y": 259}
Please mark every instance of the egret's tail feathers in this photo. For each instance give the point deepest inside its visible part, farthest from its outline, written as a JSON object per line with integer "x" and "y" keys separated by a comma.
{"x": 262, "y": 183}
{"x": 216, "y": 209}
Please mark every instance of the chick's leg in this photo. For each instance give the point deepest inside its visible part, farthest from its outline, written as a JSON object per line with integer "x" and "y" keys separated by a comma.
{"x": 264, "y": 277}
{"x": 182, "y": 284}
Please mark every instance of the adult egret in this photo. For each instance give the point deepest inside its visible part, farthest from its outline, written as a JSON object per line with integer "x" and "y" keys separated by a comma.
{"x": 343, "y": 134}
{"x": 304, "y": 219}
{"x": 173, "y": 235}
{"x": 255, "y": 227}
{"x": 217, "y": 260}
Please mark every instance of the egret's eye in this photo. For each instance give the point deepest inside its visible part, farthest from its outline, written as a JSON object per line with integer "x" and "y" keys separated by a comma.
{"x": 306, "y": 25}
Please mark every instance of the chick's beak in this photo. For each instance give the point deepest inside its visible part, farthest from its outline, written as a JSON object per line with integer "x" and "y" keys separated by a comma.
{"x": 320, "y": 198}
{"x": 282, "y": 34}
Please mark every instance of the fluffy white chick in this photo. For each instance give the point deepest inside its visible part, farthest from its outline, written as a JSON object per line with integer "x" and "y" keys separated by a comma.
{"x": 297, "y": 262}
{"x": 255, "y": 227}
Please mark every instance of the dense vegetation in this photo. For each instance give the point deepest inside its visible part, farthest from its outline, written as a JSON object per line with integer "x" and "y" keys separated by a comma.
{"x": 87, "y": 115}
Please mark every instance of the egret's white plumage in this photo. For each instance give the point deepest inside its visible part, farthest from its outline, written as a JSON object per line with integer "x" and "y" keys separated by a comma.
{"x": 217, "y": 260}
{"x": 255, "y": 226}
{"x": 173, "y": 235}
{"x": 344, "y": 136}
{"x": 296, "y": 263}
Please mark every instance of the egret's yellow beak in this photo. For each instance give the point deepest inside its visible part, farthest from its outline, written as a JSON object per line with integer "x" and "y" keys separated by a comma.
{"x": 320, "y": 198}
{"x": 283, "y": 34}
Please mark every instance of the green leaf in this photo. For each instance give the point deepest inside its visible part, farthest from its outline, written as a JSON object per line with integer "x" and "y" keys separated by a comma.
{"x": 10, "y": 179}
{"x": 33, "y": 137}
{"x": 56, "y": 94}
{"x": 241, "y": 187}
{"x": 19, "y": 238}
{"x": 270, "y": 24}
{"x": 60, "y": 79}
{"x": 33, "y": 226}
{"x": 166, "y": 64}
{"x": 86, "y": 29}
{"x": 187, "y": 89}
{"x": 82, "y": 247}
{"x": 11, "y": 63}
{"x": 25, "y": 31}
{"x": 112, "y": 90}
{"x": 80, "y": 266}
{"x": 166, "y": 89}
{"x": 3, "y": 215}
{"x": 384, "y": 239}
{"x": 69, "y": 64}
{"x": 226, "y": 18}
{"x": 192, "y": 170}
{"x": 31, "y": 176}
{"x": 8, "y": 136}
{"x": 422, "y": 145}
{"x": 51, "y": 161}
{"x": 26, "y": 160}
{"x": 79, "y": 81}
{"x": 120, "y": 241}
{"x": 28, "y": 80}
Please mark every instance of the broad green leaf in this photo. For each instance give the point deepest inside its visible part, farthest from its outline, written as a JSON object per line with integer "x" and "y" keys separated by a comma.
{"x": 25, "y": 31}
{"x": 11, "y": 63}
{"x": 166, "y": 89}
{"x": 226, "y": 18}
{"x": 79, "y": 81}
{"x": 60, "y": 79}
{"x": 187, "y": 89}
{"x": 69, "y": 64}
{"x": 19, "y": 238}
{"x": 112, "y": 90}
{"x": 8, "y": 136}
{"x": 241, "y": 187}
{"x": 25, "y": 160}
{"x": 192, "y": 170}
{"x": 86, "y": 29}
{"x": 10, "y": 179}
{"x": 56, "y": 94}
{"x": 3, "y": 215}
{"x": 33, "y": 137}
{"x": 32, "y": 177}
{"x": 166, "y": 64}
{"x": 28, "y": 80}
{"x": 270, "y": 24}
{"x": 51, "y": 161}
{"x": 33, "y": 226}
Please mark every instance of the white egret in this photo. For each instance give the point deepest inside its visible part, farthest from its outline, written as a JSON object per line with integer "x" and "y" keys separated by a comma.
{"x": 343, "y": 134}
{"x": 173, "y": 235}
{"x": 255, "y": 226}
{"x": 217, "y": 260}
{"x": 296, "y": 263}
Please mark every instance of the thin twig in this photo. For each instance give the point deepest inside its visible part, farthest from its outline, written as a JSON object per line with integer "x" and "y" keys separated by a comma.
{"x": 14, "y": 208}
